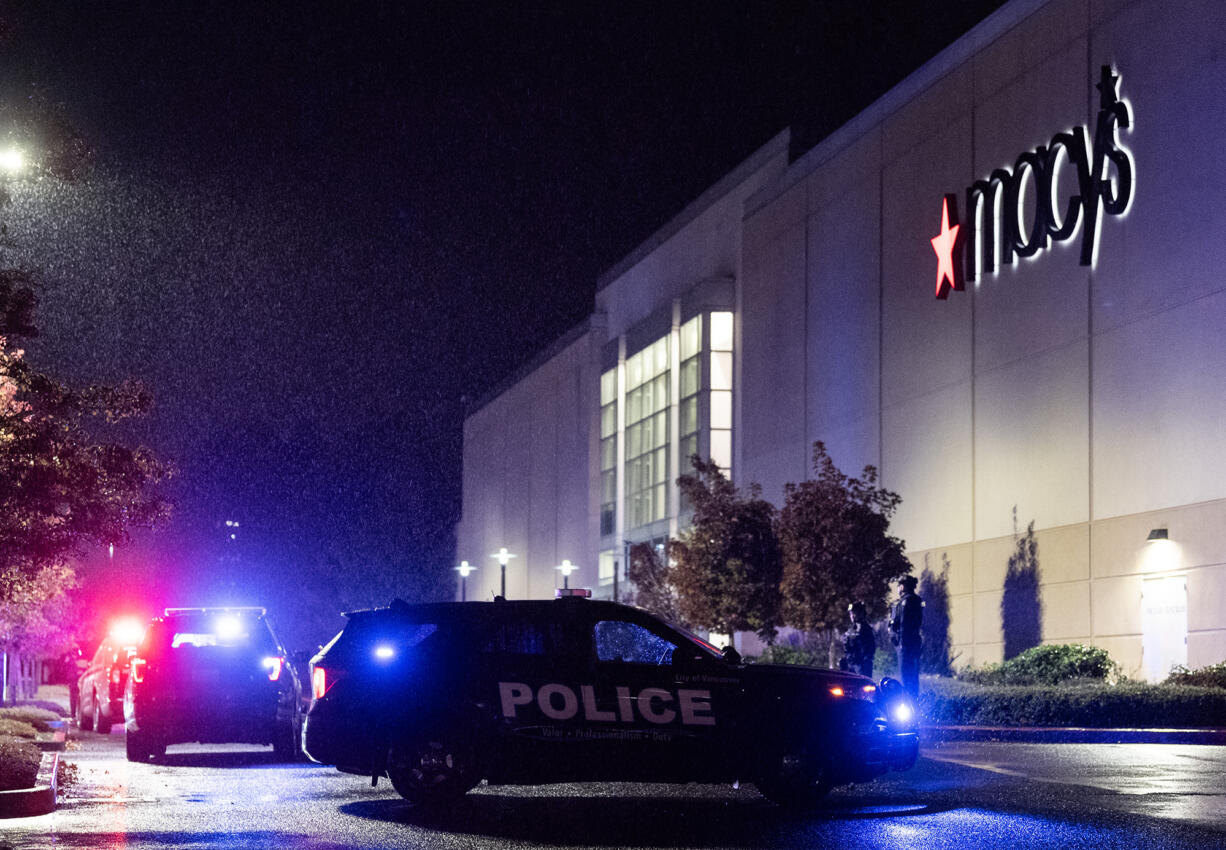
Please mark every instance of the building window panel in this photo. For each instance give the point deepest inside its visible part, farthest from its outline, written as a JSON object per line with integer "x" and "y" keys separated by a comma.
{"x": 721, "y": 331}
{"x": 721, "y": 449}
{"x": 721, "y": 409}
{"x": 721, "y": 370}
{"x": 691, "y": 338}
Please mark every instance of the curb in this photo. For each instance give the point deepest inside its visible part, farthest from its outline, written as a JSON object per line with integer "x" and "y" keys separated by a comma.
{"x": 39, "y": 800}
{"x": 1074, "y": 735}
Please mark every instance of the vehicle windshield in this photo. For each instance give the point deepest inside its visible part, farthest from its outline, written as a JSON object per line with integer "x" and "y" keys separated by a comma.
{"x": 704, "y": 645}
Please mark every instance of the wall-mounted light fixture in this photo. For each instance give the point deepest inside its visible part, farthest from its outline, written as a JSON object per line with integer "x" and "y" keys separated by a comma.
{"x": 1157, "y": 534}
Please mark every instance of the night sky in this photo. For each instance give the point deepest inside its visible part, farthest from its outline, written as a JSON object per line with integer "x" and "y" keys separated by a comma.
{"x": 315, "y": 229}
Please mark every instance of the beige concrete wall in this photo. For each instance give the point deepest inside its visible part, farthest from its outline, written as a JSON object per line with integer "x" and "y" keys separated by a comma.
{"x": 529, "y": 460}
{"x": 1088, "y": 399}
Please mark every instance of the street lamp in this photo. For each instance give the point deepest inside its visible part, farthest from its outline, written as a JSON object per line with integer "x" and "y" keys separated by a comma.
{"x": 464, "y": 569}
{"x": 567, "y": 568}
{"x": 503, "y": 556}
{"x": 12, "y": 160}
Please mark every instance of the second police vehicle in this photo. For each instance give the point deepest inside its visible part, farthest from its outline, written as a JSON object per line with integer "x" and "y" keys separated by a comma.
{"x": 438, "y": 697}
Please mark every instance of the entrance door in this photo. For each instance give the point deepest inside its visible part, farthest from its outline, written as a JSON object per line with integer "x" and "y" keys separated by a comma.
{"x": 1164, "y": 624}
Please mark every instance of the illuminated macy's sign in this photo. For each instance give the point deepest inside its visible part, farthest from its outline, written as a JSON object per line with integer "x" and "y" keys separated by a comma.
{"x": 996, "y": 206}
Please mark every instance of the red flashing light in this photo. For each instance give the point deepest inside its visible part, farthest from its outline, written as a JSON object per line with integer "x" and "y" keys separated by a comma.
{"x": 319, "y": 682}
{"x": 127, "y": 632}
{"x": 273, "y": 665}
{"x": 138, "y": 670}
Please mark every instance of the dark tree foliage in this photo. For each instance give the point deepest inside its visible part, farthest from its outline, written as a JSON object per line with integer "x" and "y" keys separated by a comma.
{"x": 1021, "y": 608}
{"x": 728, "y": 562}
{"x": 934, "y": 590}
{"x": 652, "y": 579}
{"x": 834, "y": 532}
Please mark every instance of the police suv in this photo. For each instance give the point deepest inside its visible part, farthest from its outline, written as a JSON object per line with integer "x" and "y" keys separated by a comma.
{"x": 215, "y": 675}
{"x": 439, "y": 696}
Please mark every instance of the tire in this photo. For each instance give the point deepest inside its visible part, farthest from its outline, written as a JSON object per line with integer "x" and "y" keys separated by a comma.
{"x": 794, "y": 781}
{"x": 287, "y": 743}
{"x": 432, "y": 770}
{"x": 142, "y": 747}
{"x": 84, "y": 723}
{"x": 100, "y": 727}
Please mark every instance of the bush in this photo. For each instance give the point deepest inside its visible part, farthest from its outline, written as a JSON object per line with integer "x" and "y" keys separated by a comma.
{"x": 783, "y": 654}
{"x": 19, "y": 762}
{"x": 1094, "y": 705}
{"x": 39, "y": 718}
{"x": 1213, "y": 676}
{"x": 13, "y": 728}
{"x": 1047, "y": 665}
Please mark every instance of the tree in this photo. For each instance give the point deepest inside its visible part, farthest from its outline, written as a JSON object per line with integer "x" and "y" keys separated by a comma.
{"x": 61, "y": 489}
{"x": 728, "y": 562}
{"x": 834, "y": 533}
{"x": 652, "y": 579}
{"x": 1021, "y": 605}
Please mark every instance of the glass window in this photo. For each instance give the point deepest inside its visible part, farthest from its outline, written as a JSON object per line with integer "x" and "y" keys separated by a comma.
{"x": 721, "y": 331}
{"x": 721, "y": 370}
{"x": 618, "y": 640}
{"x": 647, "y": 432}
{"x": 608, "y": 387}
{"x": 607, "y": 564}
{"x": 691, "y": 338}
{"x": 721, "y": 449}
{"x": 721, "y": 409}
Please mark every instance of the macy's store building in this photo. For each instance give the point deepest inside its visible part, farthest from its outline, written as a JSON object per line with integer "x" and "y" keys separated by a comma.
{"x": 1001, "y": 284}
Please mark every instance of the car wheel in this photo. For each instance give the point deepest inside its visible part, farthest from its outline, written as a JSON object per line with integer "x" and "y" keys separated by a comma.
{"x": 98, "y": 724}
{"x": 141, "y": 746}
{"x": 433, "y": 769}
{"x": 84, "y": 722}
{"x": 287, "y": 743}
{"x": 793, "y": 781}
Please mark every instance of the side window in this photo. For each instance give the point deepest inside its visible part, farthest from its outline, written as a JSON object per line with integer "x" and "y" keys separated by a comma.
{"x": 619, "y": 640}
{"x": 521, "y": 637}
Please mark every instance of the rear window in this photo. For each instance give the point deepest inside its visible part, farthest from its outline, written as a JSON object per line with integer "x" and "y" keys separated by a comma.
{"x": 223, "y": 629}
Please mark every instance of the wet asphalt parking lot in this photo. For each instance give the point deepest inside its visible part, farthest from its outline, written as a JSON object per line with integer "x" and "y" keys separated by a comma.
{"x": 959, "y": 795}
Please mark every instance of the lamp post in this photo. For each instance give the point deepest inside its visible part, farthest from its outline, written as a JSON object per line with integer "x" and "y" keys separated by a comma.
{"x": 566, "y": 568}
{"x": 503, "y": 556}
{"x": 464, "y": 569}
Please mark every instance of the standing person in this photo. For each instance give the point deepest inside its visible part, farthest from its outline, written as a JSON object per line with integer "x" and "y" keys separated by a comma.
{"x": 859, "y": 643}
{"x": 905, "y": 625}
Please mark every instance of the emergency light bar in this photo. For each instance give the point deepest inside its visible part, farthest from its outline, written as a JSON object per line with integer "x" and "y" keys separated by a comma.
{"x": 240, "y": 609}
{"x": 565, "y": 592}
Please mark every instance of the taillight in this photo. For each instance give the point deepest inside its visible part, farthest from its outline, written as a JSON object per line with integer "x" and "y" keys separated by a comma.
{"x": 273, "y": 665}
{"x": 319, "y": 682}
{"x": 115, "y": 675}
{"x": 138, "y": 670}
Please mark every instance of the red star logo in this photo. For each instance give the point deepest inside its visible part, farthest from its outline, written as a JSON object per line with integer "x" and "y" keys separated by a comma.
{"x": 943, "y": 244}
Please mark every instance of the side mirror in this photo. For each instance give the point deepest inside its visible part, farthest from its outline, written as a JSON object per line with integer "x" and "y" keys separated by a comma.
{"x": 731, "y": 655}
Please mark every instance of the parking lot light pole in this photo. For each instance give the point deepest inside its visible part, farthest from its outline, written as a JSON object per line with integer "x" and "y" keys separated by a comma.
{"x": 566, "y": 568}
{"x": 464, "y": 569}
{"x": 503, "y": 556}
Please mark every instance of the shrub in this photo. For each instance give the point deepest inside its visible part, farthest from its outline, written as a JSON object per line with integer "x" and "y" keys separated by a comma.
{"x": 13, "y": 728}
{"x": 1093, "y": 705}
{"x": 783, "y": 654}
{"x": 19, "y": 762}
{"x": 1213, "y": 676}
{"x": 39, "y": 718}
{"x": 1051, "y": 664}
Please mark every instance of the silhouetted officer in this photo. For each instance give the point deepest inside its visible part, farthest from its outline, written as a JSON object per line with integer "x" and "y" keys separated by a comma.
{"x": 905, "y": 623}
{"x": 859, "y": 643}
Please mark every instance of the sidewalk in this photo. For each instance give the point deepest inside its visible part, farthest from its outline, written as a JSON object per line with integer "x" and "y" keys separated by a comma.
{"x": 1072, "y": 735}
